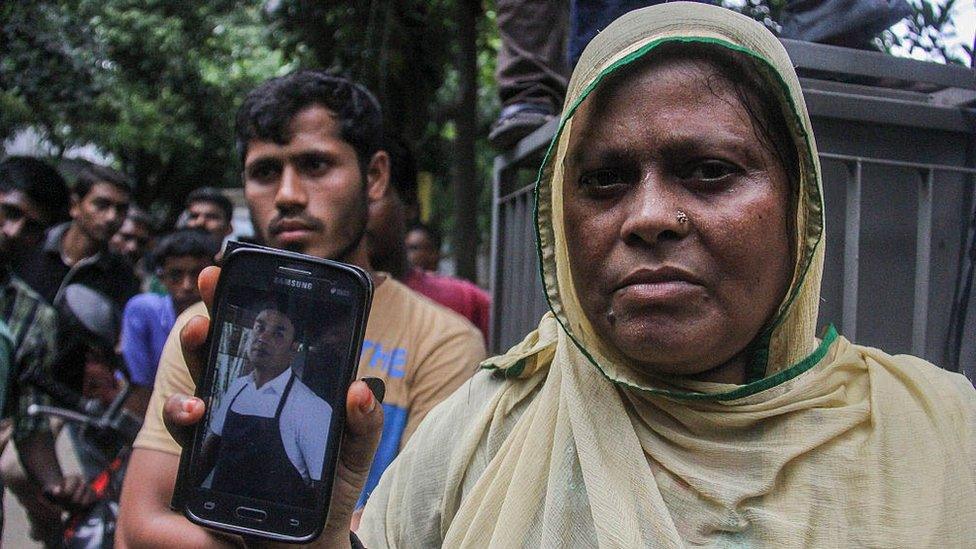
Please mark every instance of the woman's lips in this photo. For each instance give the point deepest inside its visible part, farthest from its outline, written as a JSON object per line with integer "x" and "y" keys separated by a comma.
{"x": 659, "y": 285}
{"x": 657, "y": 292}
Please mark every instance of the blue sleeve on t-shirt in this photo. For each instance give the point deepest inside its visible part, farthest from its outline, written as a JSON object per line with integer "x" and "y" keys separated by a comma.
{"x": 137, "y": 348}
{"x": 394, "y": 423}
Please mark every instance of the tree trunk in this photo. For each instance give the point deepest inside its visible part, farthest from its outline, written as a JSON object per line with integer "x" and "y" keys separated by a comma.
{"x": 466, "y": 185}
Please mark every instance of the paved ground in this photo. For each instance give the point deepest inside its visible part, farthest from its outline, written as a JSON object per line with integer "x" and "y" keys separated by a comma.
{"x": 15, "y": 528}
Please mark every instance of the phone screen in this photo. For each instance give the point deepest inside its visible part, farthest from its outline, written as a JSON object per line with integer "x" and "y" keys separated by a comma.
{"x": 282, "y": 357}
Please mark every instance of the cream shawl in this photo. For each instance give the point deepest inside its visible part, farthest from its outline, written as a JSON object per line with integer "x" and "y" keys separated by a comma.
{"x": 560, "y": 443}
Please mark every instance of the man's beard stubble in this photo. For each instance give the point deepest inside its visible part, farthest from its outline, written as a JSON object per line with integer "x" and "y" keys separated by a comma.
{"x": 360, "y": 231}
{"x": 361, "y": 214}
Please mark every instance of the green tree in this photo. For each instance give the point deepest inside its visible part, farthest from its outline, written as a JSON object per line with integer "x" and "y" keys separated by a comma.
{"x": 154, "y": 84}
{"x": 928, "y": 32}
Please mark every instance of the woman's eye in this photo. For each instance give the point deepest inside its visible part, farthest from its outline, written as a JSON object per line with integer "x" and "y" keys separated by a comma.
{"x": 710, "y": 170}
{"x": 601, "y": 179}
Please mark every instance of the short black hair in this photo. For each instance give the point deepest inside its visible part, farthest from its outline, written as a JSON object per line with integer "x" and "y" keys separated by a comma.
{"x": 185, "y": 242}
{"x": 432, "y": 233}
{"x": 214, "y": 196}
{"x": 268, "y": 110}
{"x": 93, "y": 174}
{"x": 138, "y": 215}
{"x": 40, "y": 182}
{"x": 280, "y": 304}
{"x": 403, "y": 169}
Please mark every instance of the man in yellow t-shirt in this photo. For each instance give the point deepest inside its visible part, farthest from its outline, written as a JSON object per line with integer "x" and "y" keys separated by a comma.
{"x": 310, "y": 147}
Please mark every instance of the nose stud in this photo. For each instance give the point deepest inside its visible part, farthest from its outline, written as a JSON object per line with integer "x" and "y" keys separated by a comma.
{"x": 682, "y": 217}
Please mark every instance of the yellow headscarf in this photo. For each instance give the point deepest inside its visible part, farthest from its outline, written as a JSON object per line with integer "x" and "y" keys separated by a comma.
{"x": 565, "y": 444}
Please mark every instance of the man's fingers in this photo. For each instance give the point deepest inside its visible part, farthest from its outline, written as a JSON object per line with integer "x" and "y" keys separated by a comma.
{"x": 193, "y": 336}
{"x": 207, "y": 282}
{"x": 181, "y": 413}
{"x": 70, "y": 485}
{"x": 71, "y": 494}
{"x": 364, "y": 425}
{"x": 193, "y": 339}
{"x": 82, "y": 495}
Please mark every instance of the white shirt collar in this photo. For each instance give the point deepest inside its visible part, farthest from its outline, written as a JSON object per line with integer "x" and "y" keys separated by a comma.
{"x": 275, "y": 386}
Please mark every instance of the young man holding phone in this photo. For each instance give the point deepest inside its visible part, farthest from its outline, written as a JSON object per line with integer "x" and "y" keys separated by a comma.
{"x": 310, "y": 145}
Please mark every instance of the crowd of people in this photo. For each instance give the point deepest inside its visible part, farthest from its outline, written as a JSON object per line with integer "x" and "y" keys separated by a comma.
{"x": 57, "y": 235}
{"x": 676, "y": 394}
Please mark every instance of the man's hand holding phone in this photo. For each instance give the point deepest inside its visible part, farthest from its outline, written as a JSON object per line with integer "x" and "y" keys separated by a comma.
{"x": 364, "y": 422}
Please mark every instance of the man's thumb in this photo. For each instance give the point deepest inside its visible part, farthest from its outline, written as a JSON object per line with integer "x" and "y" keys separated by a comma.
{"x": 364, "y": 425}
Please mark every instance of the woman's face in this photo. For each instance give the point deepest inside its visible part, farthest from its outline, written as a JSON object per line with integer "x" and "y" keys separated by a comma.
{"x": 676, "y": 220}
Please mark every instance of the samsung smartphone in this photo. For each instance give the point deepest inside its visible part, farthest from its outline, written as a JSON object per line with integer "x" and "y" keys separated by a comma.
{"x": 285, "y": 335}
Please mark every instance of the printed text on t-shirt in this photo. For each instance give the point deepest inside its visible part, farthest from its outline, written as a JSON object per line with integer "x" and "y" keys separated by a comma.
{"x": 389, "y": 360}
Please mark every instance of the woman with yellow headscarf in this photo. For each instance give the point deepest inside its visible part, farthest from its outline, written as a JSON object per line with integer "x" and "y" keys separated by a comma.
{"x": 677, "y": 394}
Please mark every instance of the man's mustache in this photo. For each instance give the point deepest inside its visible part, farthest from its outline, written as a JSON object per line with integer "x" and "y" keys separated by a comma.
{"x": 281, "y": 224}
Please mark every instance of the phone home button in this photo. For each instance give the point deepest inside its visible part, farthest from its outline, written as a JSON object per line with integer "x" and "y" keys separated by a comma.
{"x": 252, "y": 514}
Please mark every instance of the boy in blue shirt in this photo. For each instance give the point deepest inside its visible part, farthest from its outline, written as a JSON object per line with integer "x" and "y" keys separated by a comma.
{"x": 149, "y": 317}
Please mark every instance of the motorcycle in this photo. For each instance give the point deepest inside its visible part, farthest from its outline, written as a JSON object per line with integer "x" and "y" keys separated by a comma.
{"x": 106, "y": 429}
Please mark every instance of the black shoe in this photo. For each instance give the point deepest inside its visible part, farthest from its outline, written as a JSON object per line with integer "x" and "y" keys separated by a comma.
{"x": 517, "y": 121}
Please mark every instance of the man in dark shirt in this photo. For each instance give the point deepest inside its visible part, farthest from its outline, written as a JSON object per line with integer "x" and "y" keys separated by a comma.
{"x": 76, "y": 252}
{"x": 31, "y": 325}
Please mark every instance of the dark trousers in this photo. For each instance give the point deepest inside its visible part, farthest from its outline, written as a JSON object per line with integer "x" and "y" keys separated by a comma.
{"x": 589, "y": 17}
{"x": 532, "y": 56}
{"x": 541, "y": 41}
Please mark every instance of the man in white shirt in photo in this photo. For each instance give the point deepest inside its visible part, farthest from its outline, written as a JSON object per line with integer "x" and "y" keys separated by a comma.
{"x": 268, "y": 434}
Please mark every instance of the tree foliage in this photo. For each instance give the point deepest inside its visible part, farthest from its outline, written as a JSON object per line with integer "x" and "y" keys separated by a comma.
{"x": 154, "y": 84}
{"x": 927, "y": 33}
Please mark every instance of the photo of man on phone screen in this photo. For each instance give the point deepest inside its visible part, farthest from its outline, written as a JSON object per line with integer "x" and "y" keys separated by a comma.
{"x": 266, "y": 438}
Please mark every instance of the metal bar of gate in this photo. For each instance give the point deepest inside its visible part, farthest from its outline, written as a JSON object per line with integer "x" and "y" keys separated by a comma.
{"x": 496, "y": 228}
{"x": 518, "y": 258}
{"x": 852, "y": 244}
{"x": 923, "y": 252}
{"x": 898, "y": 163}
